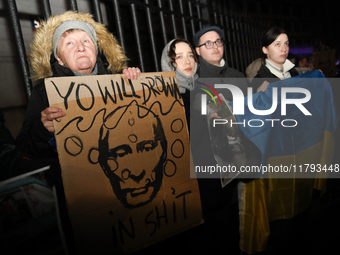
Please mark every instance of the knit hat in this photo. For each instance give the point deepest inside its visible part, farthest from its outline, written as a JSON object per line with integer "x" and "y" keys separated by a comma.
{"x": 72, "y": 24}
{"x": 198, "y": 35}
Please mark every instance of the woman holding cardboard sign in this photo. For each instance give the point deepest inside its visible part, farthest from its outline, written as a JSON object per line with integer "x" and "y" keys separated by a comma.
{"x": 79, "y": 46}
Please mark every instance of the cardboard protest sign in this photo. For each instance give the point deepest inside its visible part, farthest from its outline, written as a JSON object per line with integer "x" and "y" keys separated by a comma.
{"x": 125, "y": 155}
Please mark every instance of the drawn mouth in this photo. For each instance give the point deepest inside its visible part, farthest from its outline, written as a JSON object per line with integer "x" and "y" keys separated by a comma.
{"x": 139, "y": 191}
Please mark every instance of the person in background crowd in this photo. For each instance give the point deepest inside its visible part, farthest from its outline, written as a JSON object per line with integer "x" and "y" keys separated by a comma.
{"x": 302, "y": 61}
{"x": 292, "y": 57}
{"x": 15, "y": 161}
{"x": 79, "y": 46}
{"x": 302, "y": 65}
{"x": 275, "y": 47}
{"x": 253, "y": 68}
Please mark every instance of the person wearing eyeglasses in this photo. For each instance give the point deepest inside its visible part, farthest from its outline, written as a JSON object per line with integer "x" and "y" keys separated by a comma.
{"x": 209, "y": 45}
{"x": 216, "y": 199}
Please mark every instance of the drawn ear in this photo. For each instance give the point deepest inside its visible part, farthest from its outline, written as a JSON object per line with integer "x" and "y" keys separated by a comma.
{"x": 93, "y": 155}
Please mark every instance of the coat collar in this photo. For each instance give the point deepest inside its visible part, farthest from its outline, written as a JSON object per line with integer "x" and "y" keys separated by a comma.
{"x": 281, "y": 74}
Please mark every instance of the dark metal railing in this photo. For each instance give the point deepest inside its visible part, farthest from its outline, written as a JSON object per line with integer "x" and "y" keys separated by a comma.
{"x": 154, "y": 23}
{"x": 13, "y": 13}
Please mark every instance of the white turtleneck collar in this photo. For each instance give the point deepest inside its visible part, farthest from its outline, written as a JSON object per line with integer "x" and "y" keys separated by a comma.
{"x": 222, "y": 63}
{"x": 281, "y": 74}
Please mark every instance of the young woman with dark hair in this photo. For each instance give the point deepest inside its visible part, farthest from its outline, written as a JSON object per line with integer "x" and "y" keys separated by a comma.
{"x": 179, "y": 56}
{"x": 275, "y": 47}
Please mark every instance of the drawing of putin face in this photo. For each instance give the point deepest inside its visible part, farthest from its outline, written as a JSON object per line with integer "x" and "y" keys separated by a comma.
{"x": 132, "y": 150}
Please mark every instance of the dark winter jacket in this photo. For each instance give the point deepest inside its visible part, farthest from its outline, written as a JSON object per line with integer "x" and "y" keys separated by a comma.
{"x": 222, "y": 75}
{"x": 15, "y": 161}
{"x": 264, "y": 74}
{"x": 9, "y": 152}
{"x": 208, "y": 70}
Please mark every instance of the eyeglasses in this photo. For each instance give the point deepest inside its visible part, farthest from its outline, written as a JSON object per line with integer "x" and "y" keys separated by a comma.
{"x": 210, "y": 44}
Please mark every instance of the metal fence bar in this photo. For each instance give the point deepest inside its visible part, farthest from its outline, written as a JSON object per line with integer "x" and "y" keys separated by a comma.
{"x": 239, "y": 42}
{"x": 74, "y": 6}
{"x": 13, "y": 12}
{"x": 220, "y": 14}
{"x": 234, "y": 41}
{"x": 173, "y": 19}
{"x": 152, "y": 38}
{"x": 97, "y": 11}
{"x": 161, "y": 15}
{"x": 139, "y": 46}
{"x": 220, "y": 17}
{"x": 191, "y": 20}
{"x": 253, "y": 41}
{"x": 213, "y": 7}
{"x": 119, "y": 23}
{"x": 46, "y": 9}
{"x": 248, "y": 40}
{"x": 183, "y": 19}
{"x": 199, "y": 16}
{"x": 227, "y": 36}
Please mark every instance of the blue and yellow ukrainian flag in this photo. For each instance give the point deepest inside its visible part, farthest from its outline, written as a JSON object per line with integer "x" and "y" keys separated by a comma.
{"x": 311, "y": 141}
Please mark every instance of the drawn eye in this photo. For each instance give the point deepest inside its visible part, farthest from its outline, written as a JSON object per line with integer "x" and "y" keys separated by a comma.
{"x": 148, "y": 147}
{"x": 121, "y": 153}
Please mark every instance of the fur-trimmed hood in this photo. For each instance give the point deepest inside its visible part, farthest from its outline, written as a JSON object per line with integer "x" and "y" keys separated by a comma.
{"x": 41, "y": 46}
